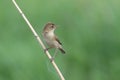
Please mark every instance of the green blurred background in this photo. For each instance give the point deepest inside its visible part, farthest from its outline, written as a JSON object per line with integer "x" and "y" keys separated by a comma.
{"x": 88, "y": 29}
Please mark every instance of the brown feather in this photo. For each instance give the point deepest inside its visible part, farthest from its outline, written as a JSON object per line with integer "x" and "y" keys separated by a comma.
{"x": 58, "y": 40}
{"x": 63, "y": 51}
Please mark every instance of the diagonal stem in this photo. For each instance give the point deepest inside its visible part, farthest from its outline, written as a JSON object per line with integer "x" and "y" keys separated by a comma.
{"x": 39, "y": 40}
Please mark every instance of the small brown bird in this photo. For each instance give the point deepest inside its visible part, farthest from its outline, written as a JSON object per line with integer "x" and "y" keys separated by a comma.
{"x": 50, "y": 38}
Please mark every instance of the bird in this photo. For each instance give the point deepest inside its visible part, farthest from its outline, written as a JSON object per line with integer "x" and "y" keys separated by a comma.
{"x": 50, "y": 37}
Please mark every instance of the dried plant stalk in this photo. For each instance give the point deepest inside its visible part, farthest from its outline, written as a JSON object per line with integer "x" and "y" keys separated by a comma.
{"x": 39, "y": 40}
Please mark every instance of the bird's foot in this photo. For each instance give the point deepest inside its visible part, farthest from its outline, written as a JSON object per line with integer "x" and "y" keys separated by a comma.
{"x": 45, "y": 50}
{"x": 52, "y": 59}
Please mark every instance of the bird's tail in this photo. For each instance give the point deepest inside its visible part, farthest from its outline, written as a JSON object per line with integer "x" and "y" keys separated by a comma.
{"x": 63, "y": 51}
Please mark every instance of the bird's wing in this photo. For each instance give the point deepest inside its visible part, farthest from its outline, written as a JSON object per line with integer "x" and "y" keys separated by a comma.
{"x": 58, "y": 40}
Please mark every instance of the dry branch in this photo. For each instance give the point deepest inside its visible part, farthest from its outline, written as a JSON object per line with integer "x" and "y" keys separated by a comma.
{"x": 39, "y": 40}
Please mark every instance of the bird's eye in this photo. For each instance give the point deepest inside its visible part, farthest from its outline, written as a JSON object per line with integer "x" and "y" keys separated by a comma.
{"x": 52, "y": 26}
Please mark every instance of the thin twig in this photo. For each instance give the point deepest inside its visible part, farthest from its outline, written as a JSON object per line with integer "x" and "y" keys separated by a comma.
{"x": 39, "y": 40}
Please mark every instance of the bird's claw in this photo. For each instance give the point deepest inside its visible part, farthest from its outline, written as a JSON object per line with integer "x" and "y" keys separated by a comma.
{"x": 51, "y": 59}
{"x": 45, "y": 49}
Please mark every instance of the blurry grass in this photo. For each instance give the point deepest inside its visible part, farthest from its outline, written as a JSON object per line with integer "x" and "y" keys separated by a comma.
{"x": 89, "y": 31}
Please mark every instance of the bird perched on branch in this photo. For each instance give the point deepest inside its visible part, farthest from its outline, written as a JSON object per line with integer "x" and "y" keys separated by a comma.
{"x": 50, "y": 38}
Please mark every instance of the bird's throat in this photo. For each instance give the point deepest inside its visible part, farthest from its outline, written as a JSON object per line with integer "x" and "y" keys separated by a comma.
{"x": 50, "y": 34}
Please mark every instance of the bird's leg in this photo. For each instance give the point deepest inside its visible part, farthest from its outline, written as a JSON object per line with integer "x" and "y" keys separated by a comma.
{"x": 47, "y": 49}
{"x": 56, "y": 50}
